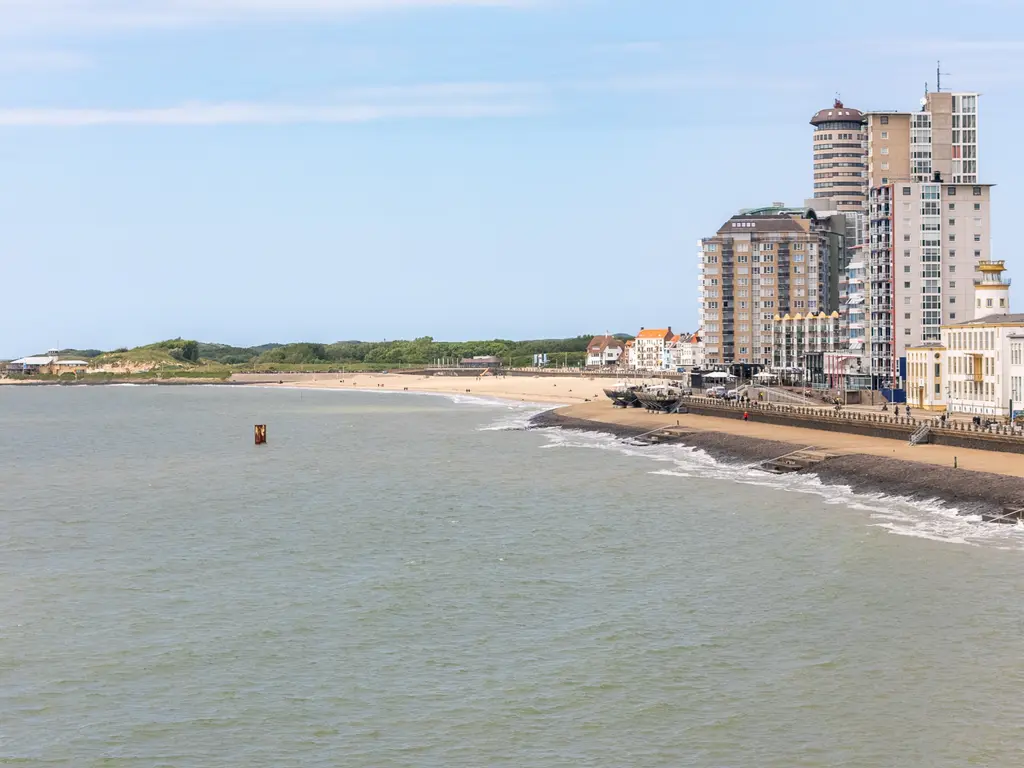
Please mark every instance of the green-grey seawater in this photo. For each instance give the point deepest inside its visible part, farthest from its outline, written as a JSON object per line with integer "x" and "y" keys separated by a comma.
{"x": 393, "y": 582}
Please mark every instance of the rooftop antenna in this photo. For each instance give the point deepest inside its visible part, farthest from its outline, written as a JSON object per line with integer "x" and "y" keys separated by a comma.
{"x": 938, "y": 76}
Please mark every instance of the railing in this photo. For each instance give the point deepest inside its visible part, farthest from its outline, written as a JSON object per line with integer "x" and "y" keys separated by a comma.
{"x": 825, "y": 414}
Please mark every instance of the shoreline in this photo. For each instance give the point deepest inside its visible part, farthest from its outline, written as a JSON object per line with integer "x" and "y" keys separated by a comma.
{"x": 864, "y": 464}
{"x": 968, "y": 492}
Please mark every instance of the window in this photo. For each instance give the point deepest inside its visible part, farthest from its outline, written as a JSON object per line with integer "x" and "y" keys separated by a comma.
{"x": 906, "y": 238}
{"x": 977, "y": 206}
{"x": 988, "y": 303}
{"x": 977, "y": 238}
{"x": 906, "y": 315}
{"x": 952, "y": 238}
{"x": 952, "y": 299}
{"x": 906, "y": 268}
{"x": 952, "y": 315}
{"x": 952, "y": 268}
{"x": 884, "y": 120}
{"x": 952, "y": 206}
{"x": 906, "y": 331}
{"x": 906, "y": 299}
{"x": 906, "y": 190}
{"x": 976, "y": 191}
{"x": 951, "y": 191}
{"x": 952, "y": 253}
{"x": 885, "y": 134}
{"x": 977, "y": 254}
{"x": 906, "y": 285}
{"x": 952, "y": 284}
{"x": 885, "y": 166}
{"x": 952, "y": 222}
{"x": 906, "y": 253}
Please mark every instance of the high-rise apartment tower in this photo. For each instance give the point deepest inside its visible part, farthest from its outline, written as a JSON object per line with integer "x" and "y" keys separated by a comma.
{"x": 761, "y": 263}
{"x": 928, "y": 226}
{"x": 840, "y": 159}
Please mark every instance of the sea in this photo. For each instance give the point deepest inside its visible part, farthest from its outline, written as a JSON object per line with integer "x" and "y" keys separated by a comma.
{"x": 415, "y": 580}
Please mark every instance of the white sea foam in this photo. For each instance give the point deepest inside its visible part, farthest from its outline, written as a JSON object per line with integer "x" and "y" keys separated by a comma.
{"x": 517, "y": 416}
{"x": 926, "y": 519}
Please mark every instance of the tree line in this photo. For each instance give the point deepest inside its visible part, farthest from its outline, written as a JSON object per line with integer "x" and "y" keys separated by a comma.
{"x": 425, "y": 351}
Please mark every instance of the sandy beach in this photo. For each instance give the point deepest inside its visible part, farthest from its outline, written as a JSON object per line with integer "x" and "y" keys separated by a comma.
{"x": 585, "y": 401}
{"x": 561, "y": 390}
{"x": 834, "y": 442}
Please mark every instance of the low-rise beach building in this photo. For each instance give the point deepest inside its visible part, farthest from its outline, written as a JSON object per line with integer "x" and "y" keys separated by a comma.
{"x": 481, "y": 361}
{"x": 604, "y": 350}
{"x": 33, "y": 366}
{"x": 77, "y": 367}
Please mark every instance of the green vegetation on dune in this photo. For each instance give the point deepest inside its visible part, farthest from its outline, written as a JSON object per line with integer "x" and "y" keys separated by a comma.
{"x": 229, "y": 355}
{"x": 425, "y": 351}
{"x": 184, "y": 358}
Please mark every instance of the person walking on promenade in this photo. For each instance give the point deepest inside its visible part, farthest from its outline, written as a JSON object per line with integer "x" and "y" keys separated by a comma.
{"x": 746, "y": 416}
{"x": 897, "y": 411}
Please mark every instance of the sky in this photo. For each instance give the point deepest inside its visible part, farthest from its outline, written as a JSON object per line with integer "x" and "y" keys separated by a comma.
{"x": 248, "y": 171}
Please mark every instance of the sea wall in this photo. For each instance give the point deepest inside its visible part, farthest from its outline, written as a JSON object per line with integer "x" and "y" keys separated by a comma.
{"x": 883, "y": 425}
{"x": 966, "y": 491}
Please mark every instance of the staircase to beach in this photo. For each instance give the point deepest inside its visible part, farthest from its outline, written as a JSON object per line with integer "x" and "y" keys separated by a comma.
{"x": 921, "y": 435}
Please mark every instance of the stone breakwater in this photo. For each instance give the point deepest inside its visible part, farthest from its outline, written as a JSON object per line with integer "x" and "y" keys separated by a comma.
{"x": 969, "y": 492}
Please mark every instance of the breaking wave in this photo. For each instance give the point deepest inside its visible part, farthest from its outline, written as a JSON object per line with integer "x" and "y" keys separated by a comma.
{"x": 926, "y": 519}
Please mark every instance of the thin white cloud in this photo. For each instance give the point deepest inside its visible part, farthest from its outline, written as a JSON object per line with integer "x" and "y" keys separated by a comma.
{"x": 43, "y": 15}
{"x": 687, "y": 81}
{"x": 42, "y": 61}
{"x": 466, "y": 100}
{"x": 632, "y": 47}
{"x": 247, "y": 113}
{"x": 925, "y": 47}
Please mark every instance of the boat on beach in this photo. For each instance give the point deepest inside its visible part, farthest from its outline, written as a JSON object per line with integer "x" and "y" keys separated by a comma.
{"x": 660, "y": 398}
{"x": 623, "y": 396}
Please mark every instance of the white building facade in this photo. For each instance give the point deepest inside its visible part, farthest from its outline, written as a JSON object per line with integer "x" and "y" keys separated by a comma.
{"x": 603, "y": 351}
{"x": 978, "y": 366}
{"x": 651, "y": 347}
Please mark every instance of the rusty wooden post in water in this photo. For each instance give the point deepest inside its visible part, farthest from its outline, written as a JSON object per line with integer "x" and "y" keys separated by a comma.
{"x": 260, "y": 431}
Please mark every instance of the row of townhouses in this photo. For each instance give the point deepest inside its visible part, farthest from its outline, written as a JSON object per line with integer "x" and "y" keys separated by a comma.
{"x": 652, "y": 349}
{"x": 884, "y": 260}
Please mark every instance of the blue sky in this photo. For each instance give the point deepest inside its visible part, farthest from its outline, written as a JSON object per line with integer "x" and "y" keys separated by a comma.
{"x": 274, "y": 170}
